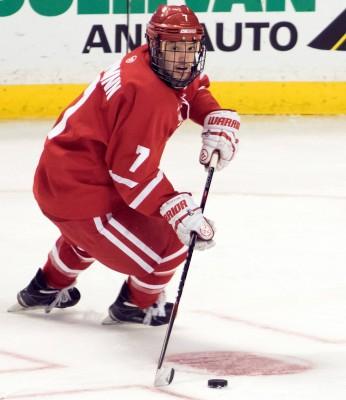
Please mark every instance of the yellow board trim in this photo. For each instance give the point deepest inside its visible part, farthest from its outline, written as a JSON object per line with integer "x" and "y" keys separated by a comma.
{"x": 270, "y": 98}
{"x": 36, "y": 101}
{"x": 339, "y": 42}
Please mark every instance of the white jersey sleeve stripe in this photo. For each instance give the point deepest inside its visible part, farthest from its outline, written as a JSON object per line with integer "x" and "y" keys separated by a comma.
{"x": 120, "y": 245}
{"x": 146, "y": 191}
{"x": 60, "y": 126}
{"x": 119, "y": 179}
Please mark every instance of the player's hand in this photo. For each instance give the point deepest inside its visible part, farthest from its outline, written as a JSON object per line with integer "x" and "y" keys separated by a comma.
{"x": 186, "y": 217}
{"x": 220, "y": 134}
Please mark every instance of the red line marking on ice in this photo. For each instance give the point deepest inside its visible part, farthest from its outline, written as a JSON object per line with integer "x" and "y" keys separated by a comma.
{"x": 43, "y": 364}
{"x": 238, "y": 363}
{"x": 8, "y": 371}
{"x": 272, "y": 328}
{"x": 47, "y": 365}
{"x": 177, "y": 395}
{"x": 100, "y": 389}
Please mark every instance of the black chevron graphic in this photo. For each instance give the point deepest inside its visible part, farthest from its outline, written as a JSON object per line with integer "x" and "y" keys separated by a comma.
{"x": 333, "y": 37}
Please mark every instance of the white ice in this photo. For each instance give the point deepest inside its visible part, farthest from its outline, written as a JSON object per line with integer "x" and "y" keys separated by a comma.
{"x": 274, "y": 286}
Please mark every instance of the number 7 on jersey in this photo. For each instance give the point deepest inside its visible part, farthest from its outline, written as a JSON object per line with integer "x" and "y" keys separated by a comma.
{"x": 143, "y": 154}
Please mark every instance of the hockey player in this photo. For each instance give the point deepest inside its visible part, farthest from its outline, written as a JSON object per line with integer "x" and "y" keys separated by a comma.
{"x": 98, "y": 178}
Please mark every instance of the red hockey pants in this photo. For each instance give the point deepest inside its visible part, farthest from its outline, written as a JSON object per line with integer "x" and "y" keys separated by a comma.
{"x": 145, "y": 248}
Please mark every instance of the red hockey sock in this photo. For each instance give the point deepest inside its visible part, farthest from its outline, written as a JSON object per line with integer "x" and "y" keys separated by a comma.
{"x": 65, "y": 262}
{"x": 143, "y": 294}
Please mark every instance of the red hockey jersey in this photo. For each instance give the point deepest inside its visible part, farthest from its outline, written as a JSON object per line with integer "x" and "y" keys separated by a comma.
{"x": 107, "y": 145}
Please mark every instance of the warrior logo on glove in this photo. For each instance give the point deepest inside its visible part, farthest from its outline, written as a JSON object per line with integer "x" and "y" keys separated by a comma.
{"x": 220, "y": 135}
{"x": 232, "y": 123}
{"x": 185, "y": 217}
{"x": 175, "y": 210}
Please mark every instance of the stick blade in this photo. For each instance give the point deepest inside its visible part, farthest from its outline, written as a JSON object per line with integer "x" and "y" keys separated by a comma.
{"x": 164, "y": 376}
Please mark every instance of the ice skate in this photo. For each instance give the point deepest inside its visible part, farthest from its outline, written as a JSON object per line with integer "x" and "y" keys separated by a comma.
{"x": 123, "y": 311}
{"x": 37, "y": 295}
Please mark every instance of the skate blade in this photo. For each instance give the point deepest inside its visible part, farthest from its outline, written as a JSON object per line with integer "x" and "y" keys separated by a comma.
{"x": 134, "y": 325}
{"x": 17, "y": 308}
{"x": 109, "y": 321}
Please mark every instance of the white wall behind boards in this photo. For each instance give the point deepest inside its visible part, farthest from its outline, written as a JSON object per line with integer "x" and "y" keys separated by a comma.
{"x": 244, "y": 45}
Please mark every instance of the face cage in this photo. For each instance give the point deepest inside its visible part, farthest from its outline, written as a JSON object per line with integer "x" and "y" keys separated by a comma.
{"x": 165, "y": 66}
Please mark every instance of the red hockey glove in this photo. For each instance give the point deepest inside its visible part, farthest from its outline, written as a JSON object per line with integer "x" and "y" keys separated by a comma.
{"x": 186, "y": 217}
{"x": 220, "y": 134}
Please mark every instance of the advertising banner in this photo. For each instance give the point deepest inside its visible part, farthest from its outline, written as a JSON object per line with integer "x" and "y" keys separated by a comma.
{"x": 64, "y": 42}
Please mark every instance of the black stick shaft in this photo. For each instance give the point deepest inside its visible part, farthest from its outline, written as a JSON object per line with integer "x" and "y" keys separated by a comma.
{"x": 211, "y": 170}
{"x": 128, "y": 25}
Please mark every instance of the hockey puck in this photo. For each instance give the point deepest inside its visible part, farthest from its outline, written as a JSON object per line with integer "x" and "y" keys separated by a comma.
{"x": 217, "y": 383}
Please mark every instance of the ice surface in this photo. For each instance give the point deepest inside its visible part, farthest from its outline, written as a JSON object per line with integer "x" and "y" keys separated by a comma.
{"x": 274, "y": 287}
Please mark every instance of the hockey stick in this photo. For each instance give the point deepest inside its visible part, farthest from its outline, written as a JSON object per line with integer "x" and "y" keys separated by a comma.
{"x": 128, "y": 11}
{"x": 164, "y": 376}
